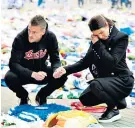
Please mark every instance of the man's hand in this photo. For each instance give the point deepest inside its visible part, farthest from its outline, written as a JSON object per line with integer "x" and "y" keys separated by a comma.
{"x": 39, "y": 76}
{"x": 59, "y": 72}
{"x": 94, "y": 39}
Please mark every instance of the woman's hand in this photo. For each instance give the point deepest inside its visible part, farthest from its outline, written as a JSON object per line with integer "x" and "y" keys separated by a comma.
{"x": 59, "y": 72}
{"x": 94, "y": 39}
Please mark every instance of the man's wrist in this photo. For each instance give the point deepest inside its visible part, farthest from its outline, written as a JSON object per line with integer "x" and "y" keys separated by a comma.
{"x": 33, "y": 74}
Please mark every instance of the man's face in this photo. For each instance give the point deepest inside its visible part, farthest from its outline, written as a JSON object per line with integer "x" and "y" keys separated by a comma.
{"x": 35, "y": 33}
{"x": 102, "y": 33}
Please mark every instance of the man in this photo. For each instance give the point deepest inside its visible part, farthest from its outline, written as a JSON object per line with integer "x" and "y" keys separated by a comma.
{"x": 80, "y": 3}
{"x": 114, "y": 3}
{"x": 106, "y": 61}
{"x": 30, "y": 51}
{"x": 15, "y": 4}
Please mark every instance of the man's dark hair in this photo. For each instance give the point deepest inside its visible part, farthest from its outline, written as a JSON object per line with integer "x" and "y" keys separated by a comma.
{"x": 98, "y": 22}
{"x": 38, "y": 20}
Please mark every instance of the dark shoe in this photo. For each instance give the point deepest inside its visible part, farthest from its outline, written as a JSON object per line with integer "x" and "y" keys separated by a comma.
{"x": 105, "y": 113}
{"x": 122, "y": 104}
{"x": 24, "y": 101}
{"x": 110, "y": 116}
{"x": 10, "y": 6}
{"x": 40, "y": 100}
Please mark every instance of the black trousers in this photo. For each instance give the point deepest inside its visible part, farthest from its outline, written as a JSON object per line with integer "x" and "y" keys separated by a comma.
{"x": 109, "y": 90}
{"x": 16, "y": 82}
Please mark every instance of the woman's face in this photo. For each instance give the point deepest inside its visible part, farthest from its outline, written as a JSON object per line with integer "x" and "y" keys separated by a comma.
{"x": 102, "y": 33}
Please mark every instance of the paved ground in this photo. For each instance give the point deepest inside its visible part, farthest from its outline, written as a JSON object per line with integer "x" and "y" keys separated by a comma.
{"x": 8, "y": 100}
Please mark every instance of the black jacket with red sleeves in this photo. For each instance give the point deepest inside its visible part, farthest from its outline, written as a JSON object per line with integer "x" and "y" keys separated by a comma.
{"x": 28, "y": 57}
{"x": 105, "y": 57}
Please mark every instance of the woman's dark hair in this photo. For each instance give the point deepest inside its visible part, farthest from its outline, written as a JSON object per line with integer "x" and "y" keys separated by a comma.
{"x": 98, "y": 22}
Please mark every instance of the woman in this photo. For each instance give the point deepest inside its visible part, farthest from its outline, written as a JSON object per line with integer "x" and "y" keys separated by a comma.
{"x": 106, "y": 61}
